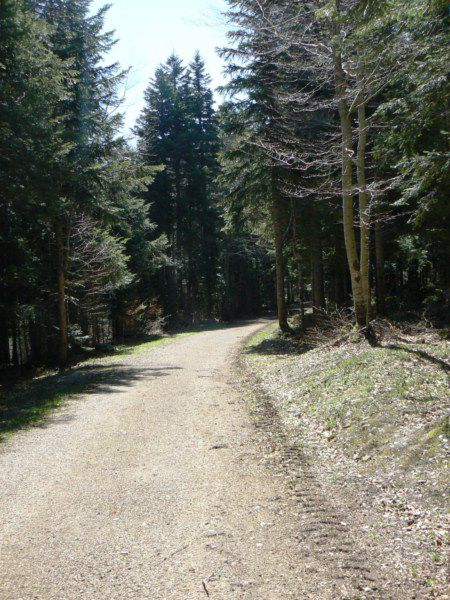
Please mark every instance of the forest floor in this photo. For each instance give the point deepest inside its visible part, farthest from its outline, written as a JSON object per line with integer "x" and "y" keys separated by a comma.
{"x": 170, "y": 472}
{"x": 371, "y": 427}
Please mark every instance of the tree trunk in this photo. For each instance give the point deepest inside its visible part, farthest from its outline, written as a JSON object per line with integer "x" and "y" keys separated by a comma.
{"x": 301, "y": 293}
{"x": 380, "y": 278}
{"x": 170, "y": 273}
{"x": 227, "y": 308}
{"x": 15, "y": 348}
{"x": 318, "y": 293}
{"x": 317, "y": 276}
{"x": 288, "y": 285}
{"x": 95, "y": 331}
{"x": 297, "y": 260}
{"x": 277, "y": 214}
{"x": 364, "y": 207}
{"x": 62, "y": 309}
{"x": 347, "y": 179}
{"x": 4, "y": 342}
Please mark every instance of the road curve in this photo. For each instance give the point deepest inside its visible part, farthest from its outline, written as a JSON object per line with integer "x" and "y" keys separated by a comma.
{"x": 150, "y": 485}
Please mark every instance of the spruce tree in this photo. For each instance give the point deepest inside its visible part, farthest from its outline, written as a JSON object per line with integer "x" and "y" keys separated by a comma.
{"x": 89, "y": 130}
{"x": 32, "y": 151}
{"x": 177, "y": 129}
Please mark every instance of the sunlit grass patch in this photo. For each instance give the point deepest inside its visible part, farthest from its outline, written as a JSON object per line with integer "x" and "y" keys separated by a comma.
{"x": 387, "y": 404}
{"x": 264, "y": 334}
{"x": 30, "y": 402}
{"x": 142, "y": 347}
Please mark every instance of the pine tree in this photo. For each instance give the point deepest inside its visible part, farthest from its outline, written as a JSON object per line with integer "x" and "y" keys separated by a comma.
{"x": 244, "y": 183}
{"x": 254, "y": 68}
{"x": 177, "y": 129}
{"x": 70, "y": 185}
{"x": 31, "y": 153}
{"x": 203, "y": 258}
{"x": 411, "y": 148}
{"x": 89, "y": 129}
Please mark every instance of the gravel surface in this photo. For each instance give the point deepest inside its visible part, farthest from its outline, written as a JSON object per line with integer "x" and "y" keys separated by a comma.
{"x": 150, "y": 486}
{"x": 160, "y": 483}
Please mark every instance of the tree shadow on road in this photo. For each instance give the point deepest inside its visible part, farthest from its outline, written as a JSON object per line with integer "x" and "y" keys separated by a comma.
{"x": 219, "y": 325}
{"x": 29, "y": 402}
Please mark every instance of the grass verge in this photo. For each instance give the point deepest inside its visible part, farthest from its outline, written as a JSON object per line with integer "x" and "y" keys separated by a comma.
{"x": 385, "y": 408}
{"x": 372, "y": 424}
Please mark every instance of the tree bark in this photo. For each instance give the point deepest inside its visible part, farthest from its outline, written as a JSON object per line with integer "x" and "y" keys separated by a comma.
{"x": 277, "y": 219}
{"x": 318, "y": 293}
{"x": 347, "y": 178}
{"x": 15, "y": 348}
{"x": 380, "y": 276}
{"x": 364, "y": 207}
{"x": 228, "y": 299}
{"x": 317, "y": 276}
{"x": 297, "y": 260}
{"x": 170, "y": 276}
{"x": 63, "y": 343}
{"x": 4, "y": 342}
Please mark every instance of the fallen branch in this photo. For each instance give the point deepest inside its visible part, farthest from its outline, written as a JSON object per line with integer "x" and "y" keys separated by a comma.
{"x": 368, "y": 332}
{"x": 205, "y": 588}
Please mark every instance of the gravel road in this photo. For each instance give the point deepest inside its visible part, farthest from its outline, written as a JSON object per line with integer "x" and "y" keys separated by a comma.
{"x": 153, "y": 485}
{"x": 147, "y": 487}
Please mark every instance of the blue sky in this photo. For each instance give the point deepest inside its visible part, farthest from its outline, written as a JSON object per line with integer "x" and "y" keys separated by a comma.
{"x": 150, "y": 30}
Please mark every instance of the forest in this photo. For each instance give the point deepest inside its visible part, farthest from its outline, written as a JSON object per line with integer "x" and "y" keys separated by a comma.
{"x": 317, "y": 181}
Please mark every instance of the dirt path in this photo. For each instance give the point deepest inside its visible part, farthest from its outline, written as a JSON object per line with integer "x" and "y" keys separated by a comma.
{"x": 154, "y": 486}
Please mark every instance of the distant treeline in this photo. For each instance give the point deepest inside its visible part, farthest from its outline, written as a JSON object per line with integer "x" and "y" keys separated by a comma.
{"x": 322, "y": 178}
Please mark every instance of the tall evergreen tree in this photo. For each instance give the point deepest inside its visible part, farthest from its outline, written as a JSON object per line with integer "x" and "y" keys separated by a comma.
{"x": 89, "y": 129}
{"x": 32, "y": 151}
{"x": 71, "y": 186}
{"x": 177, "y": 129}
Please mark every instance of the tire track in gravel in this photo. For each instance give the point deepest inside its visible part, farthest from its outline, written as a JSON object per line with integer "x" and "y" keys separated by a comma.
{"x": 332, "y": 546}
{"x": 330, "y": 554}
{"x": 156, "y": 485}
